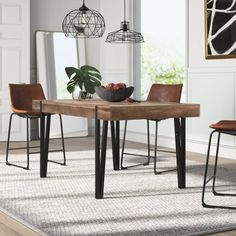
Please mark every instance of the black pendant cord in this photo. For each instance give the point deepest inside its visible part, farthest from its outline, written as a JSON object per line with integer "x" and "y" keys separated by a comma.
{"x": 83, "y": 6}
{"x": 124, "y": 12}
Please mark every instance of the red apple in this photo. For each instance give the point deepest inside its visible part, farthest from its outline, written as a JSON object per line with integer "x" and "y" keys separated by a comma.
{"x": 110, "y": 86}
{"x": 123, "y": 85}
{"x": 117, "y": 87}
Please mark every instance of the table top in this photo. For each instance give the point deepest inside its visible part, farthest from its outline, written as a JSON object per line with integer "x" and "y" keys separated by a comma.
{"x": 96, "y": 108}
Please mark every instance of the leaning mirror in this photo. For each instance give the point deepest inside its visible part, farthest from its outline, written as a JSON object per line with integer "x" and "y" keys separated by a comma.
{"x": 54, "y": 53}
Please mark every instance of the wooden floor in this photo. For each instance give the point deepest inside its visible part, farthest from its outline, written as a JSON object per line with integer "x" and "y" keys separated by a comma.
{"x": 11, "y": 227}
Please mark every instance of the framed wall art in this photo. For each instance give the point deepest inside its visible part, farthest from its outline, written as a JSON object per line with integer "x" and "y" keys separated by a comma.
{"x": 220, "y": 29}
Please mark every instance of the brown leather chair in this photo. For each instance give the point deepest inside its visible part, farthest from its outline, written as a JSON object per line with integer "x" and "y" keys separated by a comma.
{"x": 21, "y": 96}
{"x": 157, "y": 93}
{"x": 227, "y": 127}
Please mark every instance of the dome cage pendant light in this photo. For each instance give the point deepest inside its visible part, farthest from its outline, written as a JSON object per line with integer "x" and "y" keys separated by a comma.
{"x": 83, "y": 23}
{"x": 124, "y": 35}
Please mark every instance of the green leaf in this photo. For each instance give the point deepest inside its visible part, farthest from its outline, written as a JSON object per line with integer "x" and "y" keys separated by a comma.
{"x": 89, "y": 68}
{"x": 73, "y": 73}
{"x": 87, "y": 78}
{"x": 71, "y": 86}
{"x": 96, "y": 75}
{"x": 95, "y": 82}
{"x": 70, "y": 71}
{"x": 89, "y": 88}
{"x": 80, "y": 83}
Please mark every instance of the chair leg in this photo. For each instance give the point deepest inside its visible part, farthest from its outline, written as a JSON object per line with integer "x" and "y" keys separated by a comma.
{"x": 215, "y": 172}
{"x": 123, "y": 146}
{"x": 155, "y": 154}
{"x": 148, "y": 143}
{"x": 8, "y": 138}
{"x": 28, "y": 143}
{"x": 8, "y": 145}
{"x": 63, "y": 143}
{"x": 27, "y": 140}
{"x": 155, "y": 150}
{"x": 132, "y": 154}
{"x": 216, "y": 162}
{"x": 206, "y": 181}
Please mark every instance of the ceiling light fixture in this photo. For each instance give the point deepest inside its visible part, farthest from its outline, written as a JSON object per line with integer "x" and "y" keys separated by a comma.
{"x": 124, "y": 35}
{"x": 84, "y": 23}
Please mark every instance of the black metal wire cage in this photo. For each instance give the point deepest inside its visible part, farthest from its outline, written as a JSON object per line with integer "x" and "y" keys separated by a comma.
{"x": 124, "y": 35}
{"x": 84, "y": 23}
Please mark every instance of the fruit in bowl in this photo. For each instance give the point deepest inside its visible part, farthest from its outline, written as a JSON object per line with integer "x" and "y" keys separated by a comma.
{"x": 114, "y": 92}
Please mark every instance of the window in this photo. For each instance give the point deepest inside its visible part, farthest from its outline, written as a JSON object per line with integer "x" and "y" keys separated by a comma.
{"x": 163, "y": 53}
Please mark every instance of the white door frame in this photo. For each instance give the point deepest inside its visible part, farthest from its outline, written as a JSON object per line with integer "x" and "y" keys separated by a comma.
{"x": 14, "y": 59}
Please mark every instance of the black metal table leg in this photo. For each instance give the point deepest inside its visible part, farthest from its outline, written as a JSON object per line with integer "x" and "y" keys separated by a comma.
{"x": 42, "y": 150}
{"x": 100, "y": 158}
{"x": 44, "y": 144}
{"x": 115, "y": 140}
{"x": 97, "y": 159}
{"x": 117, "y": 162}
{"x": 180, "y": 140}
{"x": 182, "y": 183}
{"x": 103, "y": 155}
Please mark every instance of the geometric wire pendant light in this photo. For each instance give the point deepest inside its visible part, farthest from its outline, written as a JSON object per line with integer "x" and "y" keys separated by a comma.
{"x": 84, "y": 23}
{"x": 124, "y": 35}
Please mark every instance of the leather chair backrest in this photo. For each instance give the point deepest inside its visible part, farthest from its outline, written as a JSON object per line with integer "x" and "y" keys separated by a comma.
{"x": 21, "y": 95}
{"x": 165, "y": 93}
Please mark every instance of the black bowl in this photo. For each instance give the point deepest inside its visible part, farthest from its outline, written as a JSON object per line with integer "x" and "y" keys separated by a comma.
{"x": 114, "y": 95}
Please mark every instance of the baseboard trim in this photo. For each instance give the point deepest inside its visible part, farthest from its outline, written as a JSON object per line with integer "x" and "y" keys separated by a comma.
{"x": 192, "y": 145}
{"x": 81, "y": 133}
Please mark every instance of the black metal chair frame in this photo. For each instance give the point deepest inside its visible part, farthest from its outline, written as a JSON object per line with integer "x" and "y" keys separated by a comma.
{"x": 28, "y": 147}
{"x": 132, "y": 154}
{"x": 213, "y": 177}
{"x": 149, "y": 150}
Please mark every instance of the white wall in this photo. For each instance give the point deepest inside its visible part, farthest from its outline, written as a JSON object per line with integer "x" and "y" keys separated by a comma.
{"x": 114, "y": 58}
{"x": 210, "y": 83}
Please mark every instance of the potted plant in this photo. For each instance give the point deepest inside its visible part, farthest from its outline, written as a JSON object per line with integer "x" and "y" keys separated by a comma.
{"x": 86, "y": 78}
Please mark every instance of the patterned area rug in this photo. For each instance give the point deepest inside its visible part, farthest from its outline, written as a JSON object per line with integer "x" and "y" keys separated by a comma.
{"x": 136, "y": 201}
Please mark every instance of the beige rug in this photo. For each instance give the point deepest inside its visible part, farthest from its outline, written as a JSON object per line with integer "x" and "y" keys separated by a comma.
{"x": 136, "y": 201}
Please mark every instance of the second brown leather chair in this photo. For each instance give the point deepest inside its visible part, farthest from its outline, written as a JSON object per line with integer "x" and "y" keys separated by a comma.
{"x": 157, "y": 93}
{"x": 21, "y": 96}
{"x": 227, "y": 127}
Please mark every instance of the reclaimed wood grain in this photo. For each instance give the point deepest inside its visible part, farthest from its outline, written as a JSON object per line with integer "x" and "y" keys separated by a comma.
{"x": 118, "y": 111}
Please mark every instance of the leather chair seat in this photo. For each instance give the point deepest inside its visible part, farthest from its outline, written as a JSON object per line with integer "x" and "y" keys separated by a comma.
{"x": 224, "y": 125}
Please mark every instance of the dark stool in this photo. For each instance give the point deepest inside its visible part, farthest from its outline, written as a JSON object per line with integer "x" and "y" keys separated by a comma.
{"x": 157, "y": 93}
{"x": 227, "y": 127}
{"x": 21, "y": 96}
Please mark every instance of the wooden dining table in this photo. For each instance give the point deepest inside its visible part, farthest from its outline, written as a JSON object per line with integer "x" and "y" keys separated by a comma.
{"x": 114, "y": 112}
